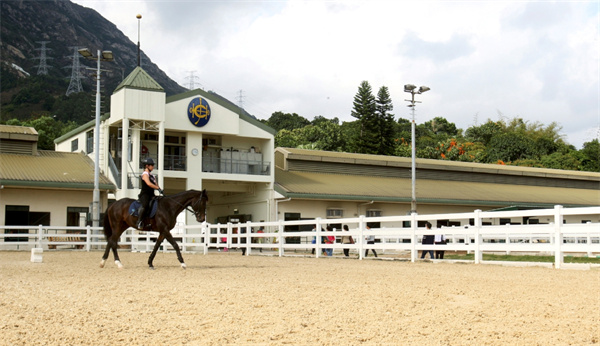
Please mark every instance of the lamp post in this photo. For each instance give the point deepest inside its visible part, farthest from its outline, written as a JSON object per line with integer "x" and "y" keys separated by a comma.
{"x": 101, "y": 56}
{"x": 412, "y": 89}
{"x": 139, "y": 16}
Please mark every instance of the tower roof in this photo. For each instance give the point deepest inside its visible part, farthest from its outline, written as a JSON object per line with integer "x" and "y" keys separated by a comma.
{"x": 139, "y": 79}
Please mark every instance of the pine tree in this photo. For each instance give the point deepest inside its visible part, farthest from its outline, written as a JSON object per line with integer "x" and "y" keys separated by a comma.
{"x": 385, "y": 121}
{"x": 364, "y": 111}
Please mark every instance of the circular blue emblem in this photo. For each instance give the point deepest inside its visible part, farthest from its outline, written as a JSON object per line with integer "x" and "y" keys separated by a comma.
{"x": 199, "y": 112}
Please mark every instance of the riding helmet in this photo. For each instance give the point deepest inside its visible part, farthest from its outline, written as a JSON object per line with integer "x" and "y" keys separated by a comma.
{"x": 149, "y": 161}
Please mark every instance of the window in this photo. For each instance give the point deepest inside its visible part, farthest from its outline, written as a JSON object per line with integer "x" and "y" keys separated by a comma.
{"x": 75, "y": 144}
{"x": 19, "y": 215}
{"x": 335, "y": 213}
{"x": 89, "y": 138}
{"x": 373, "y": 213}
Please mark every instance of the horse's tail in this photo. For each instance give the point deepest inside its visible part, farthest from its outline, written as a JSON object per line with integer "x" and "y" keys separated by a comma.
{"x": 107, "y": 228}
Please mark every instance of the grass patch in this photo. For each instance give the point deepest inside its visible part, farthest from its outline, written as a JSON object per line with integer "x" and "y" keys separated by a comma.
{"x": 522, "y": 258}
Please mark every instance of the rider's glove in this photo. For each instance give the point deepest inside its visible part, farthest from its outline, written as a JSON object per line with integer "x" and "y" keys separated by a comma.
{"x": 161, "y": 191}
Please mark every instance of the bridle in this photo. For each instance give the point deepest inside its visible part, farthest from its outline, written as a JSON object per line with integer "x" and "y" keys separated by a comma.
{"x": 192, "y": 206}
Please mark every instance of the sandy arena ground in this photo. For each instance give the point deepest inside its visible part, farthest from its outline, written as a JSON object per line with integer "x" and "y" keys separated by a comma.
{"x": 226, "y": 298}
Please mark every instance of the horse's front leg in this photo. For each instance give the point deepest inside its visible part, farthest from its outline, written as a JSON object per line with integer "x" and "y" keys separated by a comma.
{"x": 159, "y": 241}
{"x": 115, "y": 245}
{"x": 174, "y": 244}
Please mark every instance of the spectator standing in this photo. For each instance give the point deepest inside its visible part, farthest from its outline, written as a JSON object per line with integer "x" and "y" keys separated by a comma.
{"x": 440, "y": 239}
{"x": 330, "y": 239}
{"x": 427, "y": 240}
{"x": 370, "y": 240}
{"x": 347, "y": 239}
{"x": 261, "y": 240}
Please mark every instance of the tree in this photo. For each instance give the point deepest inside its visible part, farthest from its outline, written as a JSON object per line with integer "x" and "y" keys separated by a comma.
{"x": 385, "y": 122}
{"x": 590, "y": 156}
{"x": 364, "y": 110}
{"x": 280, "y": 121}
{"x": 484, "y": 132}
{"x": 510, "y": 146}
{"x": 47, "y": 128}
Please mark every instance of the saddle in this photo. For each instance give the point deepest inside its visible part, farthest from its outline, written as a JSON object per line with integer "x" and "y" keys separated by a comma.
{"x": 133, "y": 208}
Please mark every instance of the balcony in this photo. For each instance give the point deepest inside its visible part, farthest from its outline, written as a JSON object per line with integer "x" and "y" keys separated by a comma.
{"x": 235, "y": 166}
{"x": 171, "y": 162}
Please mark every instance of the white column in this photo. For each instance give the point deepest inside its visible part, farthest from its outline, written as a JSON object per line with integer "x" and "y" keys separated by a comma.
{"x": 558, "y": 236}
{"x": 124, "y": 156}
{"x": 161, "y": 154}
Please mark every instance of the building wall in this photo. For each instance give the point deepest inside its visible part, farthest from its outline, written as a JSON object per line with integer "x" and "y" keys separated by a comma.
{"x": 222, "y": 121}
{"x": 137, "y": 104}
{"x": 53, "y": 201}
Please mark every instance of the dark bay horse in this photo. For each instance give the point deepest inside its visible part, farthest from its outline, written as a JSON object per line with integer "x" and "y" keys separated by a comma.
{"x": 117, "y": 220}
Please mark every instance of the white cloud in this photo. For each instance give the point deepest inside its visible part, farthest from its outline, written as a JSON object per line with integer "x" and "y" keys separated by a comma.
{"x": 536, "y": 60}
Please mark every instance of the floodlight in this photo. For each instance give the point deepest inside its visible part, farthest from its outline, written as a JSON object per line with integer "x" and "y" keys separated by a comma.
{"x": 107, "y": 55}
{"x": 409, "y": 87}
{"x": 85, "y": 52}
{"x": 423, "y": 89}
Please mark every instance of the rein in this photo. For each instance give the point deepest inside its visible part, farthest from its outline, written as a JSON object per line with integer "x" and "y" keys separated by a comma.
{"x": 189, "y": 206}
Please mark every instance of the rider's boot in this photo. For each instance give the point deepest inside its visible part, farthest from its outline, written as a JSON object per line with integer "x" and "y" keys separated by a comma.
{"x": 140, "y": 222}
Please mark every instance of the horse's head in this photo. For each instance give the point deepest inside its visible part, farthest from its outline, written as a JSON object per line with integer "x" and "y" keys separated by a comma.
{"x": 199, "y": 206}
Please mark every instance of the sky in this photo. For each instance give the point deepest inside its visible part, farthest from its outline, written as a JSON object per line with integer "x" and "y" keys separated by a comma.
{"x": 536, "y": 60}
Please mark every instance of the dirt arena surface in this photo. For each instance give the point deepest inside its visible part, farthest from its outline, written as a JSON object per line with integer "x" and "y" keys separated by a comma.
{"x": 226, "y": 298}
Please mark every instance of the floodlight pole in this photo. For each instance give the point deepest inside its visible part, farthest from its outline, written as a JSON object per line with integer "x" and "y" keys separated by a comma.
{"x": 96, "y": 201}
{"x": 409, "y": 88}
{"x": 96, "y": 195}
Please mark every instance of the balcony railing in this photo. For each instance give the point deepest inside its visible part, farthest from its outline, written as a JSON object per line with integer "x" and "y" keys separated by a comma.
{"x": 232, "y": 166}
{"x": 175, "y": 162}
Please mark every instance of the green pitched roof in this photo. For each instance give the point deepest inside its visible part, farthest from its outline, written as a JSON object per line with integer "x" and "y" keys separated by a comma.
{"x": 51, "y": 169}
{"x": 139, "y": 79}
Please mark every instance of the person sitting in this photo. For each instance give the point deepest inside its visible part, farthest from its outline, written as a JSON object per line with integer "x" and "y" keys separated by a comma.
{"x": 148, "y": 184}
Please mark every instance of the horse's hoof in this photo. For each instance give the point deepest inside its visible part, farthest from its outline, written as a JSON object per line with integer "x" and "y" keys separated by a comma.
{"x": 151, "y": 267}
{"x": 102, "y": 263}
{"x": 183, "y": 266}
{"x": 119, "y": 265}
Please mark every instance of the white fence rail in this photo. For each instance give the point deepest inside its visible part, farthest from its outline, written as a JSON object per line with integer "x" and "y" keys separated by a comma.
{"x": 555, "y": 238}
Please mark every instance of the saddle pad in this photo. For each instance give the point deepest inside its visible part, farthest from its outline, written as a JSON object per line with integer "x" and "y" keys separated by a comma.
{"x": 133, "y": 208}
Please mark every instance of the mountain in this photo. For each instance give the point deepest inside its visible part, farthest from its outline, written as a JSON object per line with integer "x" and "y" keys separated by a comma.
{"x": 63, "y": 25}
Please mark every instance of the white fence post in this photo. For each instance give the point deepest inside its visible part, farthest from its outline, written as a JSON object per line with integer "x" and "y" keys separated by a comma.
{"x": 40, "y": 235}
{"x": 228, "y": 239}
{"x": 413, "y": 237}
{"x": 206, "y": 232}
{"x": 248, "y": 238}
{"x": 88, "y": 239}
{"x": 361, "y": 237}
{"x": 318, "y": 238}
{"x": 478, "y": 237}
{"x": 280, "y": 238}
{"x": 558, "y": 236}
{"x": 507, "y": 239}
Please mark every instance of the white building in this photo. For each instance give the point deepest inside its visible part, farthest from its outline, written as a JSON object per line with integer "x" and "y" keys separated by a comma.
{"x": 198, "y": 139}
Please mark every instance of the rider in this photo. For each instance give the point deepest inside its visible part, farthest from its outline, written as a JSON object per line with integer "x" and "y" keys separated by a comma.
{"x": 148, "y": 186}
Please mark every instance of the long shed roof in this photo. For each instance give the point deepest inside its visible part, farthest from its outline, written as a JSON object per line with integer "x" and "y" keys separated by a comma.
{"x": 307, "y": 174}
{"x": 50, "y": 169}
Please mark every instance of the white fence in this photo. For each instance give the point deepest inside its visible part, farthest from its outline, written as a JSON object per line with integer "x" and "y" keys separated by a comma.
{"x": 554, "y": 238}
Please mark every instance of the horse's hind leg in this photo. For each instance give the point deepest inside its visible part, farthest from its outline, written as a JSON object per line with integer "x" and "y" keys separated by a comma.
{"x": 174, "y": 244}
{"x": 159, "y": 241}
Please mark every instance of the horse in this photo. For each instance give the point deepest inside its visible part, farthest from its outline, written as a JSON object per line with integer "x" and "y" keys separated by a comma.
{"x": 117, "y": 219}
